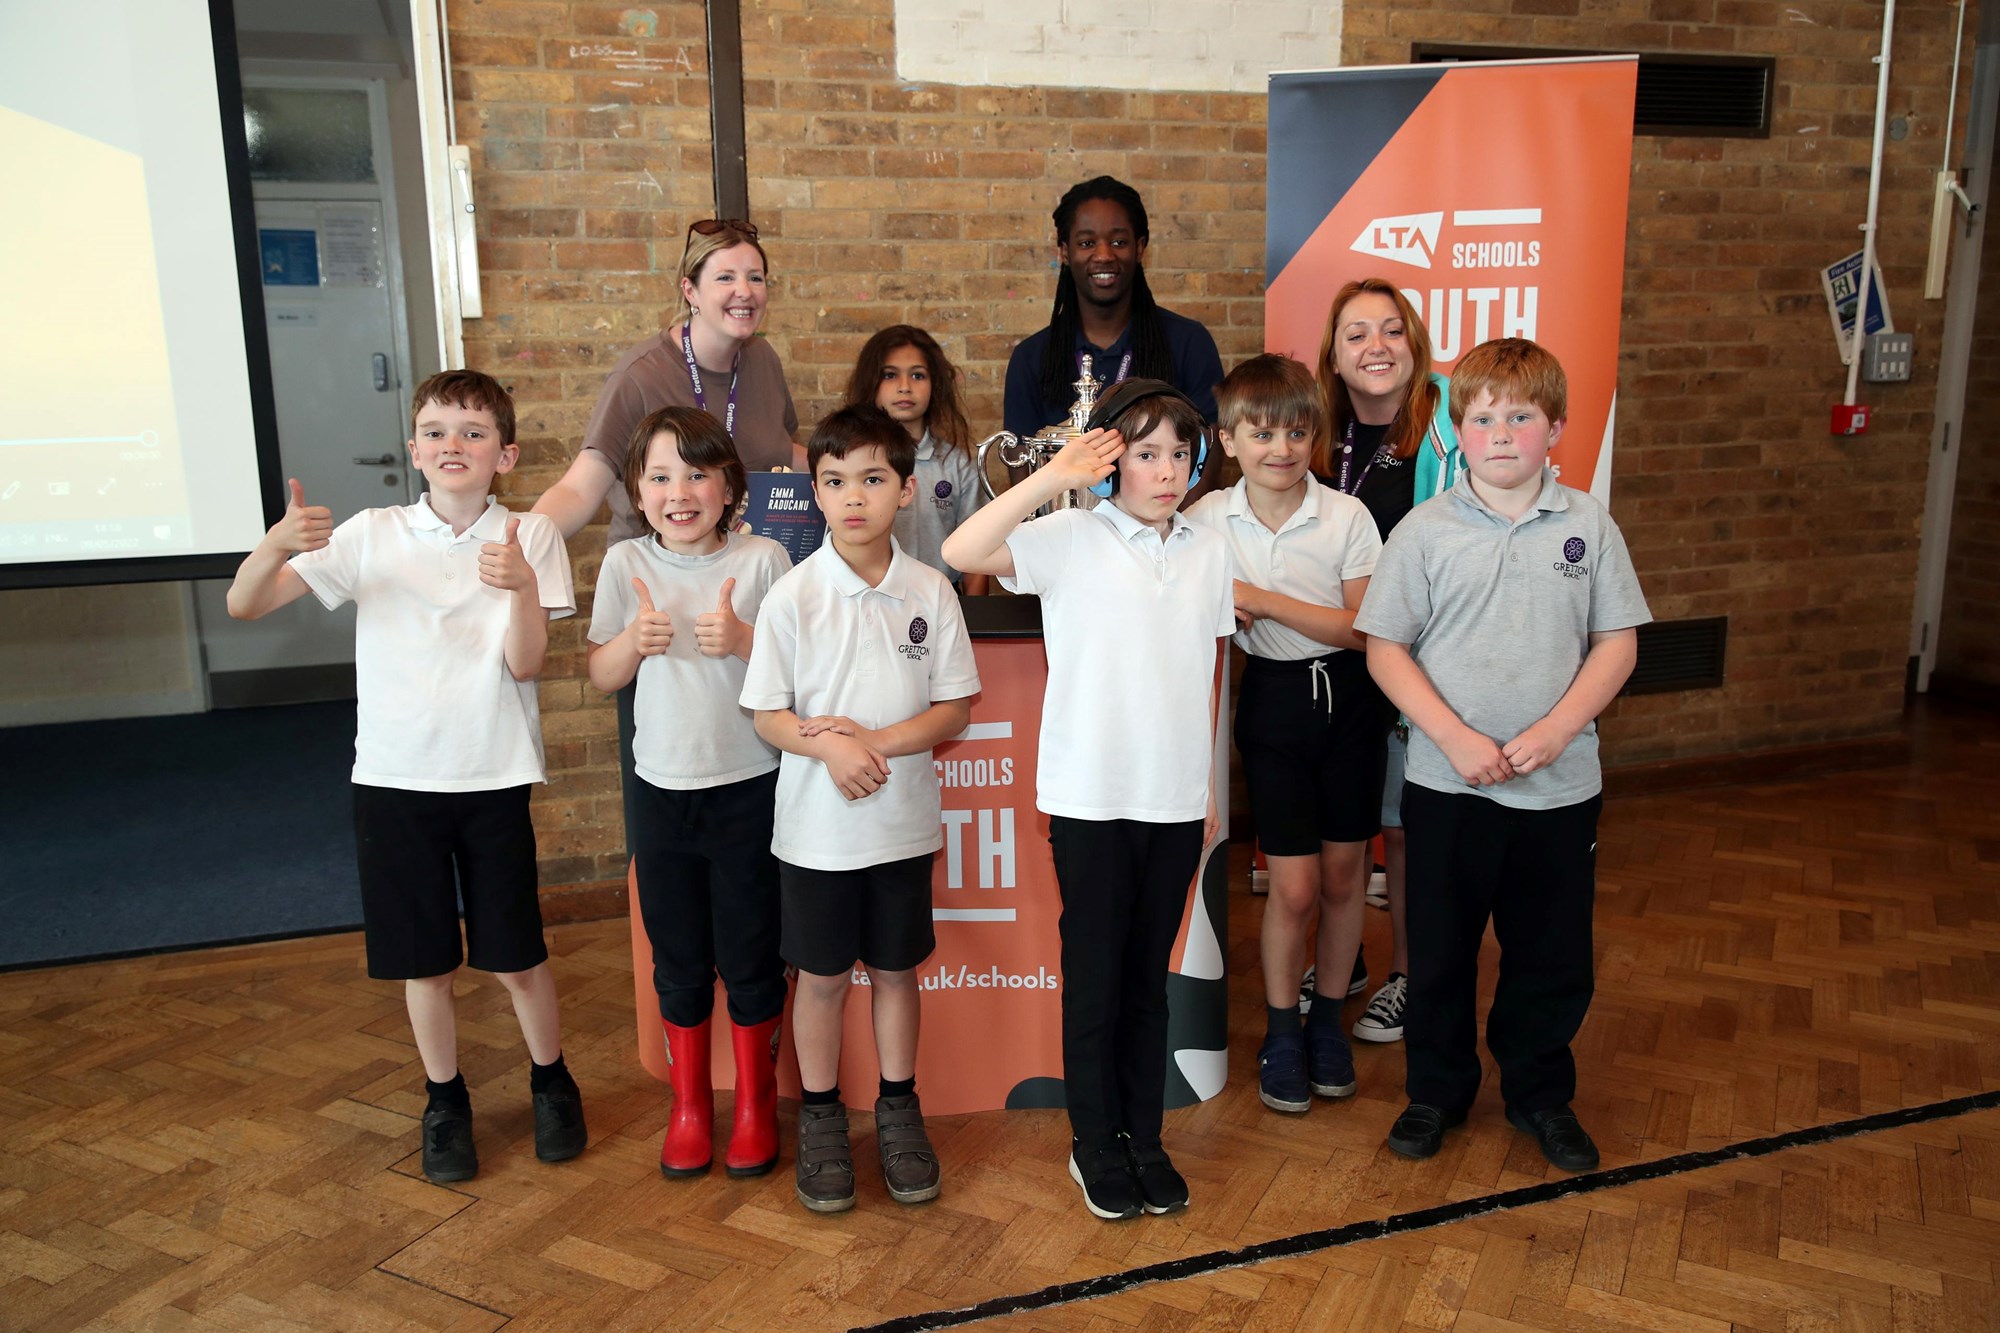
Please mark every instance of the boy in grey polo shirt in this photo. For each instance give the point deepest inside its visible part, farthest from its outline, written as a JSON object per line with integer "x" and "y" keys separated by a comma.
{"x": 1501, "y": 620}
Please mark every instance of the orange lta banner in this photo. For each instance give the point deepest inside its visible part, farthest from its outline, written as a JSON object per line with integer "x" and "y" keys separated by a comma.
{"x": 992, "y": 991}
{"x": 1493, "y": 194}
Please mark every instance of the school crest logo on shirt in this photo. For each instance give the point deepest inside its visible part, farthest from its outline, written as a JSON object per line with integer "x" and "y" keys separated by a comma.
{"x": 914, "y": 650}
{"x": 942, "y": 495}
{"x": 1571, "y": 566}
{"x": 1573, "y": 549}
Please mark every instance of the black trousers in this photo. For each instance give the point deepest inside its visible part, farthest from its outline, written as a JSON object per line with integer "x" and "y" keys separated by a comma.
{"x": 1534, "y": 872}
{"x": 1124, "y": 889}
{"x": 708, "y": 893}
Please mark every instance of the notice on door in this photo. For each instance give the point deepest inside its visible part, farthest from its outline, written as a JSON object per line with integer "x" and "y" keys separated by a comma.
{"x": 350, "y": 246}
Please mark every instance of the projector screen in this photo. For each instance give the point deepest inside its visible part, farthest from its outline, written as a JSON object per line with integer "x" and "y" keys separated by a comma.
{"x": 137, "y": 435}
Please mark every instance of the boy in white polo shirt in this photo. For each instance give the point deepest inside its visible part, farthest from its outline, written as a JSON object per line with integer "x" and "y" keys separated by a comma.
{"x": 1134, "y": 598}
{"x": 454, "y": 595}
{"x": 861, "y": 665}
{"x": 1308, "y": 719}
{"x": 1501, "y": 620}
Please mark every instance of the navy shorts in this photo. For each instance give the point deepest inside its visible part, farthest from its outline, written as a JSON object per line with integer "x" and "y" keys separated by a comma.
{"x": 879, "y": 915}
{"x": 419, "y": 852}
{"x": 1310, "y": 733}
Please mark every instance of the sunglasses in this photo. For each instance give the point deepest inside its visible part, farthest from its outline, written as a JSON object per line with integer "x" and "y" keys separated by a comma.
{"x": 718, "y": 226}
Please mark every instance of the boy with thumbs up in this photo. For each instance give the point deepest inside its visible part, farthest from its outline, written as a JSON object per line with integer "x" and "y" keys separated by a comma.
{"x": 677, "y": 610}
{"x": 454, "y": 595}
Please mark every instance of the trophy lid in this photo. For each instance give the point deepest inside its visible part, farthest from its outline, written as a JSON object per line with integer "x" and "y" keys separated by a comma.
{"x": 1087, "y": 389}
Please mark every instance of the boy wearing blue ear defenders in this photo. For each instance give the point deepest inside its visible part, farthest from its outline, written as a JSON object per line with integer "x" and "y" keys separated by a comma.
{"x": 1134, "y": 599}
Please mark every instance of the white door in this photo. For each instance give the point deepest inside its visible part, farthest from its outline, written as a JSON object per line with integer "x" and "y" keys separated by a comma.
{"x": 338, "y": 370}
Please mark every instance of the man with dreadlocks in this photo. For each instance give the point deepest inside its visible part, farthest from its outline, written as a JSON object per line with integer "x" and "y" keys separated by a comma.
{"x": 1104, "y": 308}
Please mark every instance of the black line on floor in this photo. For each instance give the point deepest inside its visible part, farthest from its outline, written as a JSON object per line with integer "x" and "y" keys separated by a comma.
{"x": 1288, "y": 1247}
{"x": 191, "y": 946}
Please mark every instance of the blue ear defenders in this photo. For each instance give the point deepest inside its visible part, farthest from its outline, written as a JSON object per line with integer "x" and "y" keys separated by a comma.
{"x": 1128, "y": 394}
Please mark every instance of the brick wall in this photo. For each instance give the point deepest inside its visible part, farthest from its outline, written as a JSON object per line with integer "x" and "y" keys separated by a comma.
{"x": 1734, "y": 498}
{"x": 1969, "y": 628}
{"x": 883, "y": 201}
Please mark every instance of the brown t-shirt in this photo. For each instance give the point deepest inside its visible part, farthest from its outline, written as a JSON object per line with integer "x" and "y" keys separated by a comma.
{"x": 654, "y": 375}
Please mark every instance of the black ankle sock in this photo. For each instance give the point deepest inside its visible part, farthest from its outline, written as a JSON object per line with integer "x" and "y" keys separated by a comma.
{"x": 452, "y": 1094}
{"x": 901, "y": 1087}
{"x": 546, "y": 1078}
{"x": 1325, "y": 1010}
{"x": 1280, "y": 1022}
{"x": 831, "y": 1097}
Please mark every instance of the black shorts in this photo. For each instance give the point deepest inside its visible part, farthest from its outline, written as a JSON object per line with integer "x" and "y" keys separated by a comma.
{"x": 879, "y": 915}
{"x": 418, "y": 852}
{"x": 1311, "y": 737}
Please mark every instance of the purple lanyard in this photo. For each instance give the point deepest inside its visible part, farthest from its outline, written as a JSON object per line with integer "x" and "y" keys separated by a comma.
{"x": 701, "y": 399}
{"x": 1124, "y": 367}
{"x": 1347, "y": 463}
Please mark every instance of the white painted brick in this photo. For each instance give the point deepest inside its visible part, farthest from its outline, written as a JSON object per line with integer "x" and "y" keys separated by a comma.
{"x": 1161, "y": 45}
{"x": 1107, "y": 13}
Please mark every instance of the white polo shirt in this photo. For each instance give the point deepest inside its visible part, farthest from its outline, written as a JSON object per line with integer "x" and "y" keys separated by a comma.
{"x": 1330, "y": 537}
{"x": 827, "y": 643}
{"x": 1129, "y": 623}
{"x": 439, "y": 711}
{"x": 689, "y": 730}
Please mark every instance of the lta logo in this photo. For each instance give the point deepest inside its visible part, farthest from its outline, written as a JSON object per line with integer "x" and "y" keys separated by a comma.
{"x": 1411, "y": 239}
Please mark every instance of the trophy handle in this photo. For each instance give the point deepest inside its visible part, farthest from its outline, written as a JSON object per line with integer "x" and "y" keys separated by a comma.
{"x": 1004, "y": 441}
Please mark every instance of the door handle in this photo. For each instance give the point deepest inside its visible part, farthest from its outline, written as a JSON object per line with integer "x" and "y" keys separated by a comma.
{"x": 381, "y": 360}
{"x": 379, "y": 460}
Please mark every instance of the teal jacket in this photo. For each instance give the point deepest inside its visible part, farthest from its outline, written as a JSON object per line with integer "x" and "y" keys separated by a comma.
{"x": 1438, "y": 460}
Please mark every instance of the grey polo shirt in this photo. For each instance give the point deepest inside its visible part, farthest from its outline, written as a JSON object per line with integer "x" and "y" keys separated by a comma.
{"x": 1499, "y": 615}
{"x": 947, "y": 495}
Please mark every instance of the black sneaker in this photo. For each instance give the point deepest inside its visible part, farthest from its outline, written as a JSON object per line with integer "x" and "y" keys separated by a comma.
{"x": 1419, "y": 1130}
{"x": 1329, "y": 1061}
{"x": 824, "y": 1171}
{"x": 1161, "y": 1188}
{"x": 1383, "y": 1019}
{"x": 1281, "y": 1073}
{"x": 559, "y": 1129}
{"x": 1110, "y": 1190}
{"x": 1560, "y": 1136}
{"x": 1357, "y": 982}
{"x": 448, "y": 1150}
{"x": 909, "y": 1163}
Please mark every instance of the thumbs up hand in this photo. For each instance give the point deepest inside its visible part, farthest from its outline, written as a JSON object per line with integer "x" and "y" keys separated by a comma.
{"x": 304, "y": 527}
{"x": 719, "y": 633}
{"x": 503, "y": 564}
{"x": 652, "y": 630}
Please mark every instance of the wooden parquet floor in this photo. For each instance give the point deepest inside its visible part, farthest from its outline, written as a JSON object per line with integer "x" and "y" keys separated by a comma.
{"x": 226, "y": 1139}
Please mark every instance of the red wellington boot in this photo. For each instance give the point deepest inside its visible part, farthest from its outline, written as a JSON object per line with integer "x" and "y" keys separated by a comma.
{"x": 687, "y": 1149}
{"x": 753, "y": 1140}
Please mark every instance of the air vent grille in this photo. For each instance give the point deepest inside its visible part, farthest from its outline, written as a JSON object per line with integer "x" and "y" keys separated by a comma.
{"x": 1680, "y": 655}
{"x": 1677, "y": 95}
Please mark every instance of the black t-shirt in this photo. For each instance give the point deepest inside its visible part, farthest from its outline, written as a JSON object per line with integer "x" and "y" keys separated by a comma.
{"x": 1387, "y": 486}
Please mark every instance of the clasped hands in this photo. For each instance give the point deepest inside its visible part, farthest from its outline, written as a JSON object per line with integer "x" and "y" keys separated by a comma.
{"x": 851, "y": 752}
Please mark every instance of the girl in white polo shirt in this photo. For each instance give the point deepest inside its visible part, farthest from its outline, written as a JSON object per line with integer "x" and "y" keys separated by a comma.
{"x": 1308, "y": 721}
{"x": 1134, "y": 598}
{"x": 676, "y": 609}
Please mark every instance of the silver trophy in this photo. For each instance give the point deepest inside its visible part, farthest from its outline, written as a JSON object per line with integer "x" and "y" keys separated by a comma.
{"x": 1024, "y": 456}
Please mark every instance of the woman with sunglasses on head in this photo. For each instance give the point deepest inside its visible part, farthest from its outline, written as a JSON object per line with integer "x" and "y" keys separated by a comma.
{"x": 710, "y": 358}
